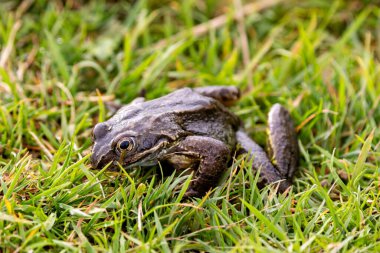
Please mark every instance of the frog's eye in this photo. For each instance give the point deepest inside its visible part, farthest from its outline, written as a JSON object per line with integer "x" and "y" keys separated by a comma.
{"x": 125, "y": 144}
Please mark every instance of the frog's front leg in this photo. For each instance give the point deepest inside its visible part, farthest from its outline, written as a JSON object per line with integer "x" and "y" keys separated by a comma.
{"x": 208, "y": 156}
{"x": 227, "y": 95}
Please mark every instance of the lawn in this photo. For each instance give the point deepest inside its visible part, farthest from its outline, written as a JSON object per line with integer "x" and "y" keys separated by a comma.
{"x": 62, "y": 62}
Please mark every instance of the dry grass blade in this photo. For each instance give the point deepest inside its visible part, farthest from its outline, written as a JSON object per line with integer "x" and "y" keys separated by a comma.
{"x": 42, "y": 146}
{"x": 10, "y": 44}
{"x": 243, "y": 39}
{"x": 217, "y": 22}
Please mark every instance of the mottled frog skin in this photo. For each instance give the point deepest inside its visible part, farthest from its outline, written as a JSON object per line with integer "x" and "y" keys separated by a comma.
{"x": 192, "y": 128}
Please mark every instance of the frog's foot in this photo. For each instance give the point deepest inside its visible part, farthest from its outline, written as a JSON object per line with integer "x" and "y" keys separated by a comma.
{"x": 227, "y": 95}
{"x": 284, "y": 149}
{"x": 283, "y": 144}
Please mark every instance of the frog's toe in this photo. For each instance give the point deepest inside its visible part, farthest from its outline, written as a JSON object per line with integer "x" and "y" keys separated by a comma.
{"x": 283, "y": 142}
{"x": 191, "y": 193}
{"x": 284, "y": 186}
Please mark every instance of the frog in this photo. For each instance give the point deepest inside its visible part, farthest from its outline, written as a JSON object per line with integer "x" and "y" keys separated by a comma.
{"x": 194, "y": 128}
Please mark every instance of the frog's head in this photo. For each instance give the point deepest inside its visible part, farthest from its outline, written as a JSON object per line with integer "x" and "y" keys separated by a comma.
{"x": 131, "y": 141}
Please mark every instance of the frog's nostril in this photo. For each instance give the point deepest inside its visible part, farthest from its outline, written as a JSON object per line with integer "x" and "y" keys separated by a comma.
{"x": 100, "y": 130}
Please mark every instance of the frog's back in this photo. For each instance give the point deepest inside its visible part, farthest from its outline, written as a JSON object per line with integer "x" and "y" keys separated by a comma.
{"x": 180, "y": 102}
{"x": 186, "y": 109}
{"x": 203, "y": 115}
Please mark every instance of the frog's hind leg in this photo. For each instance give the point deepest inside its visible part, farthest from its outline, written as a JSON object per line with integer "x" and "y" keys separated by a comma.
{"x": 227, "y": 95}
{"x": 283, "y": 144}
{"x": 268, "y": 173}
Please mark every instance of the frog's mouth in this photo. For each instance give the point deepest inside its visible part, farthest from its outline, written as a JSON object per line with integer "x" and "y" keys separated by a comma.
{"x": 145, "y": 158}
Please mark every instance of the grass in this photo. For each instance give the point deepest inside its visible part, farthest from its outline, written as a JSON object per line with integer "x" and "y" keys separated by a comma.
{"x": 61, "y": 61}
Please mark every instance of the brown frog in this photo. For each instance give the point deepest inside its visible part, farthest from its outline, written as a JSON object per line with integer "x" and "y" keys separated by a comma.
{"x": 192, "y": 128}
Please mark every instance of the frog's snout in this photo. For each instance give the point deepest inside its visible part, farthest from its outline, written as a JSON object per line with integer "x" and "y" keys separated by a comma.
{"x": 94, "y": 161}
{"x": 102, "y": 152}
{"x": 99, "y": 161}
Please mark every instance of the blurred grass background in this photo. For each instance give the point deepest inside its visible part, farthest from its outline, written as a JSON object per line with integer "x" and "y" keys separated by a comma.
{"x": 61, "y": 61}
